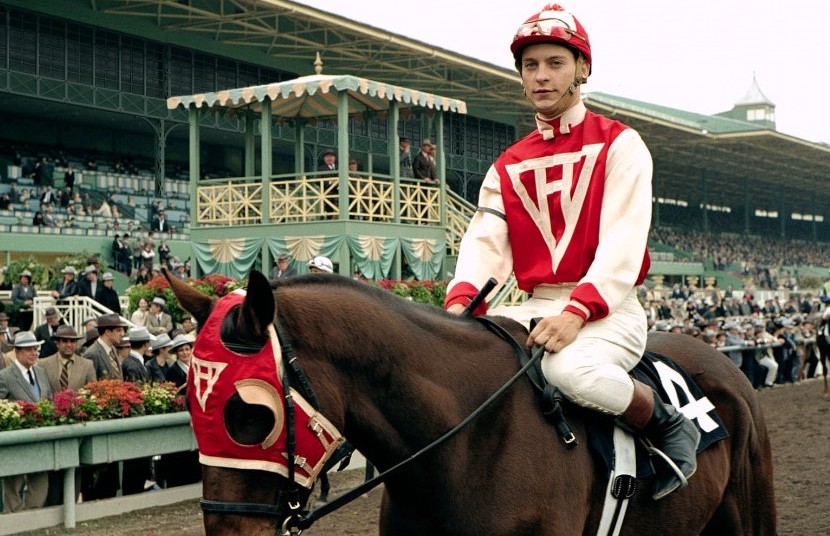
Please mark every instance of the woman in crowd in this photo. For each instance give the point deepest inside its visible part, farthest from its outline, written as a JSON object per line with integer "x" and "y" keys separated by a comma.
{"x": 139, "y": 316}
{"x": 24, "y": 292}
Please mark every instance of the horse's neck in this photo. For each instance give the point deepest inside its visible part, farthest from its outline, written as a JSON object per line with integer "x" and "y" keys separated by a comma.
{"x": 394, "y": 379}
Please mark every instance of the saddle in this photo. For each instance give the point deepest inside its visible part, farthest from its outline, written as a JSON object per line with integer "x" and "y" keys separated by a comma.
{"x": 659, "y": 372}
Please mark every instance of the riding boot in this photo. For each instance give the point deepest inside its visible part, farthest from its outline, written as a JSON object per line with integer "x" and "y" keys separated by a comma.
{"x": 673, "y": 438}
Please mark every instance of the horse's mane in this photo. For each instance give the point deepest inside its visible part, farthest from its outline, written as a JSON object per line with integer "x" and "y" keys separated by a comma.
{"x": 410, "y": 309}
{"x": 358, "y": 309}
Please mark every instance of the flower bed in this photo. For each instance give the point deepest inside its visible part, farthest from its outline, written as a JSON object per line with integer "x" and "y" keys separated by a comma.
{"x": 212, "y": 285}
{"x": 97, "y": 401}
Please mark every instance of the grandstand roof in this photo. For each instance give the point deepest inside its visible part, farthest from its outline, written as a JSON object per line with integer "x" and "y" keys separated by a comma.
{"x": 312, "y": 96}
{"x": 292, "y": 31}
{"x": 739, "y": 158}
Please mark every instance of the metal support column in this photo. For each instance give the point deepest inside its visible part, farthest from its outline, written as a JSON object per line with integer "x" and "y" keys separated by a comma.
{"x": 395, "y": 160}
{"x": 441, "y": 168}
{"x": 266, "y": 170}
{"x": 343, "y": 154}
{"x": 250, "y": 144}
{"x": 193, "y": 172}
{"x": 299, "y": 148}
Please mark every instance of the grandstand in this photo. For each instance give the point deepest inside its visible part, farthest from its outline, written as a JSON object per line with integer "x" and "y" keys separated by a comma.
{"x": 87, "y": 83}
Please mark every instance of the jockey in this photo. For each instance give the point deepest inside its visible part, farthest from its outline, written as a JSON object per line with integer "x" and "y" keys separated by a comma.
{"x": 567, "y": 209}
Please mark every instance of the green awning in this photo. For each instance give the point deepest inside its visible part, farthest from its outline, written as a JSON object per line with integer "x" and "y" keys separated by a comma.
{"x": 316, "y": 96}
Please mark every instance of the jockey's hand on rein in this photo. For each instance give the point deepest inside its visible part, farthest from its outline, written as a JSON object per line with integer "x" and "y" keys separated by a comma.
{"x": 555, "y": 332}
{"x": 455, "y": 309}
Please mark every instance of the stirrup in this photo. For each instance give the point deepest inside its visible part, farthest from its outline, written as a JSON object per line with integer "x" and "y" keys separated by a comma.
{"x": 681, "y": 478}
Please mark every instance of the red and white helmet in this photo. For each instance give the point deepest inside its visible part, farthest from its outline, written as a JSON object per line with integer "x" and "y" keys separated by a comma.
{"x": 552, "y": 25}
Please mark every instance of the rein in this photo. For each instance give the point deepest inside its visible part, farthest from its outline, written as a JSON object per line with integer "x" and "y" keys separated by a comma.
{"x": 305, "y": 520}
{"x": 296, "y": 522}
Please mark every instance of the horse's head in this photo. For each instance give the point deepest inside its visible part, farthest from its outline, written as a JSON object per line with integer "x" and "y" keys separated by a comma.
{"x": 260, "y": 454}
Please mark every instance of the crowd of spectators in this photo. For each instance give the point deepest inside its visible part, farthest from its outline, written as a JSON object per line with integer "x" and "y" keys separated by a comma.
{"x": 56, "y": 357}
{"x": 757, "y": 259}
{"x": 73, "y": 204}
{"x": 775, "y": 341}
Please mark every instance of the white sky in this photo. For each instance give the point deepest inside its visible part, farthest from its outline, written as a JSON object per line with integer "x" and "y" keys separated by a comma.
{"x": 697, "y": 56}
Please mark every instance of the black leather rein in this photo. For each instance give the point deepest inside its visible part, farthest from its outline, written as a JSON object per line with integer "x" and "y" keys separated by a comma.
{"x": 288, "y": 500}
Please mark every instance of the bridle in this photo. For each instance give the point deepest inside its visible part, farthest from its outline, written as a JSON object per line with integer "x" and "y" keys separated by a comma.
{"x": 288, "y": 500}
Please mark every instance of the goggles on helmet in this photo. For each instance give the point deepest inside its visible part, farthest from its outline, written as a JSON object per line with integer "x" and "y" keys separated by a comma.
{"x": 552, "y": 27}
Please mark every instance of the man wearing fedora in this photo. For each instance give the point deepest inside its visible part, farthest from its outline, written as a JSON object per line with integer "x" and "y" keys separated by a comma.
{"x": 158, "y": 321}
{"x": 24, "y": 380}
{"x": 67, "y": 287}
{"x": 106, "y": 295}
{"x": 132, "y": 368}
{"x": 136, "y": 471}
{"x": 65, "y": 369}
{"x": 6, "y": 336}
{"x": 103, "y": 352}
{"x": 89, "y": 285}
{"x": 329, "y": 161}
{"x": 46, "y": 331}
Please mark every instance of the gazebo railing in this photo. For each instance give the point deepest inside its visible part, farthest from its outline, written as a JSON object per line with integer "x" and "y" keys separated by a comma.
{"x": 311, "y": 197}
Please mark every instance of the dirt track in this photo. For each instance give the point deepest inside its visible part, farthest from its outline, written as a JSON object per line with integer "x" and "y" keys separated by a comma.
{"x": 797, "y": 417}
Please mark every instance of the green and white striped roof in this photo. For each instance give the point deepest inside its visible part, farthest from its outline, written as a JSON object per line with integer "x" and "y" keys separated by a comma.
{"x": 316, "y": 96}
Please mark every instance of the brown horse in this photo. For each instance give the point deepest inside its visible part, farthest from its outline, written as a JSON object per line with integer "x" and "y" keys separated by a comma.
{"x": 393, "y": 375}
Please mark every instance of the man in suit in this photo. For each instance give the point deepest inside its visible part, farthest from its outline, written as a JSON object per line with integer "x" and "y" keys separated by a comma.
{"x": 45, "y": 331}
{"x": 159, "y": 322}
{"x": 79, "y": 371}
{"x": 69, "y": 178}
{"x": 423, "y": 167}
{"x": 65, "y": 369}
{"x": 89, "y": 285}
{"x": 103, "y": 352}
{"x": 25, "y": 381}
{"x": 405, "y": 159}
{"x": 68, "y": 287}
{"x": 48, "y": 197}
{"x": 106, "y": 295}
{"x": 6, "y": 335}
{"x": 136, "y": 471}
{"x": 329, "y": 161}
{"x": 160, "y": 223}
{"x": 102, "y": 481}
{"x": 283, "y": 268}
{"x": 132, "y": 368}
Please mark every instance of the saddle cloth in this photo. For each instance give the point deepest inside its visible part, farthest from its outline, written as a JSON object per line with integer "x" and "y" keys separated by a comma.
{"x": 674, "y": 387}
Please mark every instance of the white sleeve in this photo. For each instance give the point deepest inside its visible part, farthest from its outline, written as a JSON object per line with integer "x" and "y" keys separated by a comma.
{"x": 625, "y": 220}
{"x": 485, "y": 249}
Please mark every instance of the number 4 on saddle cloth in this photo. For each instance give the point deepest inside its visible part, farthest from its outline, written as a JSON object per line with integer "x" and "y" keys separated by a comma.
{"x": 674, "y": 387}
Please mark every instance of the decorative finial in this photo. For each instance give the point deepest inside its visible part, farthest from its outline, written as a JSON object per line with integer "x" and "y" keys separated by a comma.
{"x": 318, "y": 64}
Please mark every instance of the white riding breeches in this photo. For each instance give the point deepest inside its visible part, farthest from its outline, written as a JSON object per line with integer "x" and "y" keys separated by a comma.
{"x": 592, "y": 371}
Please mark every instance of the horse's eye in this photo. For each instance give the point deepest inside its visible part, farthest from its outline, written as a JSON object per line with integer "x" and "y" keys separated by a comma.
{"x": 248, "y": 424}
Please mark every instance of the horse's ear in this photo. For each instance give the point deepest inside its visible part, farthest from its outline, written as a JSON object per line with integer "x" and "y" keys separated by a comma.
{"x": 191, "y": 300}
{"x": 258, "y": 308}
